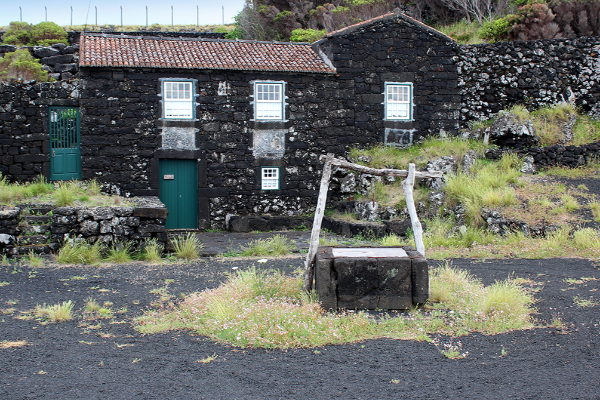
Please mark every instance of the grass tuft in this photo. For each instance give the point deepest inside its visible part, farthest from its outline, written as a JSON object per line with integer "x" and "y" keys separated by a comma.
{"x": 55, "y": 313}
{"x": 275, "y": 246}
{"x": 187, "y": 248}
{"x": 80, "y": 252}
{"x": 152, "y": 251}
{"x": 119, "y": 253}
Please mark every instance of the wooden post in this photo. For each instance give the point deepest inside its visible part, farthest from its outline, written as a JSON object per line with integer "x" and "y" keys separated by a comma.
{"x": 316, "y": 229}
{"x": 407, "y": 185}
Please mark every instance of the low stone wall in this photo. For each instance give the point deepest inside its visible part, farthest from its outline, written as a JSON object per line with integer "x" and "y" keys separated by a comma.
{"x": 550, "y": 156}
{"x": 145, "y": 220}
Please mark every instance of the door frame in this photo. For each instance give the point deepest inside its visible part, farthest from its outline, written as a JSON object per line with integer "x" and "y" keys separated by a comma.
{"x": 53, "y": 127}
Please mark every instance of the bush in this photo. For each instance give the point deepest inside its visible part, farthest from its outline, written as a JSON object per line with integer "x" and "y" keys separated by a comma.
{"x": 306, "y": 35}
{"x": 535, "y": 21}
{"x": 497, "y": 30}
{"x": 47, "y": 34}
{"x": 18, "y": 34}
{"x": 20, "y": 64}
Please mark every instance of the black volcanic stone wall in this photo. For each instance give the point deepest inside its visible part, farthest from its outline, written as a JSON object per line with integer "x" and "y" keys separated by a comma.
{"x": 393, "y": 50}
{"x": 557, "y": 155}
{"x": 24, "y": 143}
{"x": 495, "y": 76}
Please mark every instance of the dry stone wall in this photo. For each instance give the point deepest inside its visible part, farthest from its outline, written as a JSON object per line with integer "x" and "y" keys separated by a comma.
{"x": 495, "y": 76}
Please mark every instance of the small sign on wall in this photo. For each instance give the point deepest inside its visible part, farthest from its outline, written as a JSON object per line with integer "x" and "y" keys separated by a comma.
{"x": 168, "y": 177}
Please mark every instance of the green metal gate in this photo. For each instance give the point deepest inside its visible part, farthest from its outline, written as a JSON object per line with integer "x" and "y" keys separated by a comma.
{"x": 179, "y": 192}
{"x": 65, "y": 153}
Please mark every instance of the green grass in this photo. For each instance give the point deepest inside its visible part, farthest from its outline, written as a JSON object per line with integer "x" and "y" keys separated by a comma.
{"x": 80, "y": 252}
{"x": 34, "y": 260}
{"x": 152, "y": 251}
{"x": 268, "y": 309}
{"x": 119, "y": 253}
{"x": 463, "y": 32}
{"x": 55, "y": 313}
{"x": 12, "y": 193}
{"x": 187, "y": 248}
{"x": 277, "y": 245}
{"x": 391, "y": 241}
{"x": 595, "y": 207}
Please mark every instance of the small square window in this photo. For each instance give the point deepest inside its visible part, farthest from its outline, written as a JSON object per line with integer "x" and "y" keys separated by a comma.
{"x": 269, "y": 101}
{"x": 178, "y": 100}
{"x": 269, "y": 178}
{"x": 398, "y": 101}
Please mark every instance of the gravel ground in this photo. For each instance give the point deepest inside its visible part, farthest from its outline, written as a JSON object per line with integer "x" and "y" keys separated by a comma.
{"x": 113, "y": 361}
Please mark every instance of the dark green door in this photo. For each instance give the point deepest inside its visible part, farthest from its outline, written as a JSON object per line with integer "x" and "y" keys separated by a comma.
{"x": 179, "y": 192}
{"x": 65, "y": 153}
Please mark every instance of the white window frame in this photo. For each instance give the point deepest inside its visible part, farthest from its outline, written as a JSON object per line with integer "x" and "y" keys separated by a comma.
{"x": 182, "y": 106}
{"x": 270, "y": 178}
{"x": 266, "y": 109}
{"x": 393, "y": 101}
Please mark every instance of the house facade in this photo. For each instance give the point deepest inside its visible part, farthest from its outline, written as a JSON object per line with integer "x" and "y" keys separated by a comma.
{"x": 217, "y": 128}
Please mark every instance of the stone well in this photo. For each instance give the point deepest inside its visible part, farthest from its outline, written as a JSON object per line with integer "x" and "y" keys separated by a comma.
{"x": 388, "y": 278}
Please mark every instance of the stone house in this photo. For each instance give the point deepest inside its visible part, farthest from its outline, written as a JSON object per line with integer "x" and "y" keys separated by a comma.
{"x": 219, "y": 127}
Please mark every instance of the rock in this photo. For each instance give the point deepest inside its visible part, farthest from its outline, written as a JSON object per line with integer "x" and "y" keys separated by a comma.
{"x": 348, "y": 184}
{"x": 63, "y": 68}
{"x": 59, "y": 46}
{"x": 566, "y": 129}
{"x": 508, "y": 131}
{"x": 469, "y": 159}
{"x": 445, "y": 164}
{"x": 7, "y": 48}
{"x": 89, "y": 228}
{"x": 70, "y": 49}
{"x": 58, "y": 59}
{"x": 367, "y": 211}
{"x": 528, "y": 166}
{"x": 6, "y": 239}
{"x": 43, "y": 52}
{"x": 8, "y": 212}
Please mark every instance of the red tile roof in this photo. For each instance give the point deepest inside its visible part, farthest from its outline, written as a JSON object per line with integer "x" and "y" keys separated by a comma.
{"x": 100, "y": 50}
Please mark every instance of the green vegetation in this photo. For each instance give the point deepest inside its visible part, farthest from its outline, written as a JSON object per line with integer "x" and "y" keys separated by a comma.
{"x": 42, "y": 34}
{"x": 20, "y": 64}
{"x": 152, "y": 251}
{"x": 80, "y": 252}
{"x": 151, "y": 28}
{"x": 119, "y": 253}
{"x": 61, "y": 194}
{"x": 55, "y": 313}
{"x": 268, "y": 309}
{"x": 306, "y": 35}
{"x": 275, "y": 246}
{"x": 187, "y": 248}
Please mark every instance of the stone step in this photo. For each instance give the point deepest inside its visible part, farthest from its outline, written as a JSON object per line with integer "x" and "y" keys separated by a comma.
{"x": 37, "y": 219}
{"x": 35, "y": 249}
{"x": 38, "y": 209}
{"x": 32, "y": 240}
{"x": 34, "y": 229}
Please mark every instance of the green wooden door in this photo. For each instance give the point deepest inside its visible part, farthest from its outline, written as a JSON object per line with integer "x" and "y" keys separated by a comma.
{"x": 179, "y": 192}
{"x": 65, "y": 153}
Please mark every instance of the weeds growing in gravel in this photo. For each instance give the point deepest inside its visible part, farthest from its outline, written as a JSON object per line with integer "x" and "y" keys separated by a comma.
{"x": 55, "y": 313}
{"x": 34, "y": 260}
{"x": 268, "y": 309}
{"x": 595, "y": 207}
{"x": 80, "y": 252}
{"x": 152, "y": 251}
{"x": 391, "y": 241}
{"x": 275, "y": 246}
{"x": 188, "y": 247}
{"x": 119, "y": 253}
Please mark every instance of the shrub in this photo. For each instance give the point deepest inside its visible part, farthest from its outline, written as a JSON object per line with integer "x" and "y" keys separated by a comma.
{"x": 18, "y": 34}
{"x": 534, "y": 21}
{"x": 47, "y": 34}
{"x": 20, "y": 64}
{"x": 306, "y": 35}
{"x": 497, "y": 30}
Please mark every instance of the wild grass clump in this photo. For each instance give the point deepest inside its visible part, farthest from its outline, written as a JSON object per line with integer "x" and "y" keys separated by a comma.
{"x": 11, "y": 193}
{"x": 277, "y": 245}
{"x": 66, "y": 194}
{"x": 586, "y": 238}
{"x": 55, "y": 313}
{"x": 119, "y": 253}
{"x": 34, "y": 260}
{"x": 268, "y": 309}
{"x": 187, "y": 248}
{"x": 80, "y": 252}
{"x": 152, "y": 251}
{"x": 595, "y": 207}
{"x": 391, "y": 241}
{"x": 463, "y": 32}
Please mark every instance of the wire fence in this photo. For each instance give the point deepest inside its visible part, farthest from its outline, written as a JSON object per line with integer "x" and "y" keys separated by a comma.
{"x": 95, "y": 16}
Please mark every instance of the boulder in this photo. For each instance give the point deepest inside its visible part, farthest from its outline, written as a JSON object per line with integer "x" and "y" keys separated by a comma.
{"x": 445, "y": 165}
{"x": 43, "y": 52}
{"x": 508, "y": 131}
